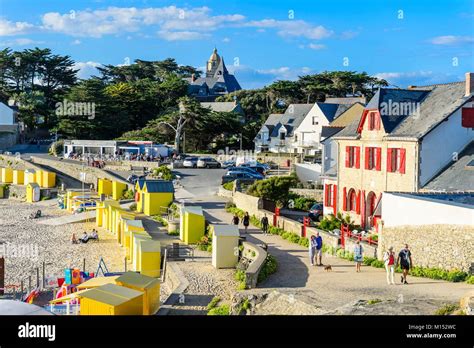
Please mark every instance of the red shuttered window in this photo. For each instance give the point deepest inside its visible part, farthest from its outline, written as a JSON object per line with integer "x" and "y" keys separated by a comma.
{"x": 396, "y": 159}
{"x": 352, "y": 157}
{"x": 334, "y": 199}
{"x": 373, "y": 158}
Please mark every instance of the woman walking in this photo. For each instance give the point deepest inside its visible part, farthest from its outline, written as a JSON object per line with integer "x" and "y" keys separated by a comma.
{"x": 246, "y": 221}
{"x": 389, "y": 260}
{"x": 358, "y": 255}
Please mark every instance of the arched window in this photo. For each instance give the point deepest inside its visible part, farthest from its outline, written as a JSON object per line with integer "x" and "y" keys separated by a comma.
{"x": 352, "y": 200}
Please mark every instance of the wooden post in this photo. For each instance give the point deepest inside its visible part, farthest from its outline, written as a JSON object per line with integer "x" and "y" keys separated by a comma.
{"x": 125, "y": 263}
{"x": 37, "y": 277}
{"x": 29, "y": 283}
{"x": 2, "y": 275}
{"x": 44, "y": 272}
{"x": 84, "y": 265}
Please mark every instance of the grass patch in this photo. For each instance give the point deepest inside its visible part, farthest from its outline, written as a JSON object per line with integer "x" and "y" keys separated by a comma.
{"x": 447, "y": 309}
{"x": 214, "y": 302}
{"x": 374, "y": 301}
{"x": 220, "y": 310}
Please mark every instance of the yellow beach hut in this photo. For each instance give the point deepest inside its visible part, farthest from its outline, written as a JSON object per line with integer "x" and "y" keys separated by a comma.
{"x": 148, "y": 285}
{"x": 192, "y": 224}
{"x": 18, "y": 177}
{"x": 7, "y": 175}
{"x": 111, "y": 299}
{"x": 155, "y": 195}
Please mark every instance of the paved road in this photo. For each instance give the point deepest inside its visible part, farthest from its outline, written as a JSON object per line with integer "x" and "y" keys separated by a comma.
{"x": 330, "y": 289}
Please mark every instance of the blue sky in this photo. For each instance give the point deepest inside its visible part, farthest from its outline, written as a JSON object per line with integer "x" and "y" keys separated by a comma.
{"x": 409, "y": 42}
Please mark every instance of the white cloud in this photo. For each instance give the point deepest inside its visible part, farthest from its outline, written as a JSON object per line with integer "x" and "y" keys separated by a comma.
{"x": 8, "y": 28}
{"x": 86, "y": 69}
{"x": 314, "y": 46}
{"x": 76, "y": 42}
{"x": 293, "y": 28}
{"x": 226, "y": 40}
{"x": 181, "y": 35}
{"x": 451, "y": 40}
{"x": 20, "y": 42}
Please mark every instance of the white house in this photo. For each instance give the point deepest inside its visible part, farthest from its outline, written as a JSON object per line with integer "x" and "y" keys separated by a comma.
{"x": 7, "y": 115}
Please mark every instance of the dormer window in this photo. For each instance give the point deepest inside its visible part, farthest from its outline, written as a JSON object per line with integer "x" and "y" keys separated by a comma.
{"x": 373, "y": 121}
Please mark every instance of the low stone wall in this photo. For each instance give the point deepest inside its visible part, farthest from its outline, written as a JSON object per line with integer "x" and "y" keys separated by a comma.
{"x": 328, "y": 238}
{"x": 247, "y": 203}
{"x": 258, "y": 257}
{"x": 309, "y": 193}
{"x": 127, "y": 165}
{"x": 222, "y": 192}
{"x": 440, "y": 246}
{"x": 75, "y": 169}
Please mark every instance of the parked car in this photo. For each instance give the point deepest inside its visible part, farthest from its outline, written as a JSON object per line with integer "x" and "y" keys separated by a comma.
{"x": 257, "y": 167}
{"x": 316, "y": 212}
{"x": 233, "y": 175}
{"x": 190, "y": 162}
{"x": 242, "y": 169}
{"x": 228, "y": 163}
{"x": 208, "y": 162}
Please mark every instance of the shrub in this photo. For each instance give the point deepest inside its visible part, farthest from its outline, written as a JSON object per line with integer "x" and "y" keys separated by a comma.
{"x": 229, "y": 186}
{"x": 56, "y": 148}
{"x": 470, "y": 280}
{"x": 173, "y": 233}
{"x": 163, "y": 172}
{"x": 241, "y": 278}
{"x": 276, "y": 188}
{"x": 133, "y": 207}
{"x": 368, "y": 260}
{"x": 447, "y": 309}
{"x": 304, "y": 242}
{"x": 229, "y": 205}
{"x": 213, "y": 303}
{"x": 160, "y": 219}
{"x": 128, "y": 194}
{"x": 304, "y": 203}
{"x": 220, "y": 310}
{"x": 268, "y": 268}
{"x": 377, "y": 263}
{"x": 456, "y": 275}
{"x": 374, "y": 301}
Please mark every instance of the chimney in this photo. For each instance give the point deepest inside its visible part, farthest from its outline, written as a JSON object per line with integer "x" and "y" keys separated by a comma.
{"x": 193, "y": 77}
{"x": 469, "y": 83}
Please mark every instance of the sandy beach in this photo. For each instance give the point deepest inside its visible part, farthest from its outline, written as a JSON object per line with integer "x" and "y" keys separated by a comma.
{"x": 32, "y": 243}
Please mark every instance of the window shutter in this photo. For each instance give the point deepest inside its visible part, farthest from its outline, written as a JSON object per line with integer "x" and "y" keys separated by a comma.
{"x": 334, "y": 198}
{"x": 377, "y": 121}
{"x": 402, "y": 160}
{"x": 326, "y": 196}
{"x": 366, "y": 159}
{"x": 348, "y": 155}
{"x": 358, "y": 202}
{"x": 378, "y": 156}
{"x": 344, "y": 199}
{"x": 357, "y": 157}
{"x": 389, "y": 160}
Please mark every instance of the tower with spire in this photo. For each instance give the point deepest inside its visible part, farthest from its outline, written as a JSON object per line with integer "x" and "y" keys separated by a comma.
{"x": 217, "y": 81}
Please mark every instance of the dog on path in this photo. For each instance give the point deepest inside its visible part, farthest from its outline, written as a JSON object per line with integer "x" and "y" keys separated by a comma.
{"x": 328, "y": 268}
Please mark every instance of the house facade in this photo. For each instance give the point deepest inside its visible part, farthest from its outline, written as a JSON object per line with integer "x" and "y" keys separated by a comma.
{"x": 403, "y": 140}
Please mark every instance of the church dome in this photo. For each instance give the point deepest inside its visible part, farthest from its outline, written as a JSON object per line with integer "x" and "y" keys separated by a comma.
{"x": 214, "y": 56}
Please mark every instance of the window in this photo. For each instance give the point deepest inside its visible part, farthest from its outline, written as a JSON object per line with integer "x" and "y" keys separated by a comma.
{"x": 328, "y": 195}
{"x": 373, "y": 158}
{"x": 282, "y": 135}
{"x": 352, "y": 200}
{"x": 352, "y": 157}
{"x": 396, "y": 159}
{"x": 315, "y": 120}
{"x": 374, "y": 121}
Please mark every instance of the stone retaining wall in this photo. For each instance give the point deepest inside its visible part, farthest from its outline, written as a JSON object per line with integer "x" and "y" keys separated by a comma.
{"x": 258, "y": 257}
{"x": 440, "y": 246}
{"x": 309, "y": 193}
{"x": 74, "y": 170}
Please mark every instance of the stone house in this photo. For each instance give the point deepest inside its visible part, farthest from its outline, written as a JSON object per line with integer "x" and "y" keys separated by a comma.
{"x": 404, "y": 139}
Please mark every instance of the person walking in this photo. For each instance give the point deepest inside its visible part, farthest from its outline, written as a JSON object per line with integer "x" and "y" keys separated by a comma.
{"x": 264, "y": 222}
{"x": 405, "y": 261}
{"x": 389, "y": 260}
{"x": 246, "y": 221}
{"x": 236, "y": 220}
{"x": 319, "y": 249}
{"x": 358, "y": 255}
{"x": 312, "y": 249}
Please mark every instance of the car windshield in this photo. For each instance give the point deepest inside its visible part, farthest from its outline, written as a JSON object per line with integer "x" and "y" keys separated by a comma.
{"x": 316, "y": 207}
{"x": 190, "y": 158}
